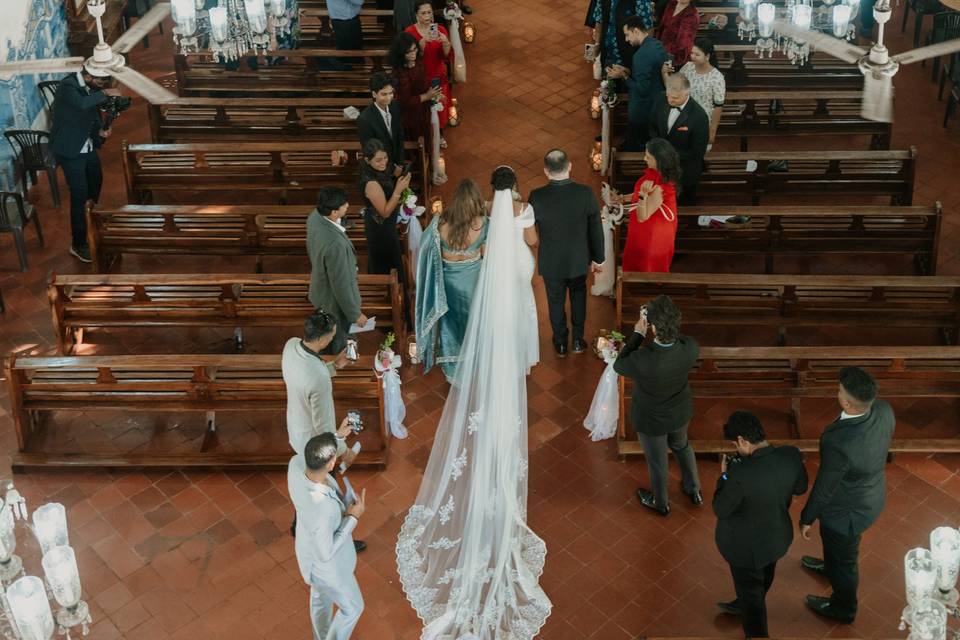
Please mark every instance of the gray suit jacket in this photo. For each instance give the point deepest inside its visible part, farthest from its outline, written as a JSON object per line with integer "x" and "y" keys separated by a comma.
{"x": 333, "y": 274}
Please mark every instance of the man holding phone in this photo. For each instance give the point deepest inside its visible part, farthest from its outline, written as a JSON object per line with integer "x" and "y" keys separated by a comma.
{"x": 381, "y": 119}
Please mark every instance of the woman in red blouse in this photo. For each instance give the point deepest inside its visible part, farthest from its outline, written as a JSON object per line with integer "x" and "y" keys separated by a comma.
{"x": 678, "y": 27}
{"x": 414, "y": 93}
{"x": 437, "y": 52}
{"x": 652, "y": 227}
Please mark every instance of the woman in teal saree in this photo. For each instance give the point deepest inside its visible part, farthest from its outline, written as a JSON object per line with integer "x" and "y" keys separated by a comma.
{"x": 451, "y": 252}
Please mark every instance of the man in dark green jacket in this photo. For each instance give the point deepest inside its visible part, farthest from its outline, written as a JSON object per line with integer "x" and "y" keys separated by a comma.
{"x": 662, "y": 405}
{"x": 850, "y": 490}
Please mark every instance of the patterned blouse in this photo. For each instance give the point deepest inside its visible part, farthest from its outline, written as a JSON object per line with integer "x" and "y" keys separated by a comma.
{"x": 708, "y": 90}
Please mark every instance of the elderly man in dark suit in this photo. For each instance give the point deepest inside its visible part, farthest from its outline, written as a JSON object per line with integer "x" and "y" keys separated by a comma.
{"x": 333, "y": 261}
{"x": 381, "y": 119}
{"x": 76, "y": 133}
{"x": 850, "y": 490}
{"x": 684, "y": 124}
{"x": 662, "y": 404}
{"x": 752, "y": 505}
{"x": 571, "y": 242}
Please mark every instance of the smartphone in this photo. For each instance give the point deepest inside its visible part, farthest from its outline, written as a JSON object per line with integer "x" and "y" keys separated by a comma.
{"x": 406, "y": 167}
{"x": 435, "y": 83}
{"x": 434, "y": 31}
{"x": 354, "y": 420}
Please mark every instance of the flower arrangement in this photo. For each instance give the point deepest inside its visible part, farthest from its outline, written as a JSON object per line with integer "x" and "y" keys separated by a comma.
{"x": 452, "y": 10}
{"x": 608, "y": 345}
{"x": 608, "y": 93}
{"x": 409, "y": 208}
{"x": 386, "y": 359}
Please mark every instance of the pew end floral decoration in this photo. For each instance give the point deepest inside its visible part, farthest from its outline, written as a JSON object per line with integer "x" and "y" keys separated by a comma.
{"x": 601, "y": 420}
{"x": 608, "y": 344}
{"x": 385, "y": 367}
{"x": 409, "y": 207}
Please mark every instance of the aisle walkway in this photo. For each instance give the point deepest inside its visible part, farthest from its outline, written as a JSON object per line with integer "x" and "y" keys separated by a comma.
{"x": 207, "y": 555}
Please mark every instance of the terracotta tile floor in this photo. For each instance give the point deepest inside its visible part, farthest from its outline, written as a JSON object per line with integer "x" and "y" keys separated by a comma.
{"x": 206, "y": 555}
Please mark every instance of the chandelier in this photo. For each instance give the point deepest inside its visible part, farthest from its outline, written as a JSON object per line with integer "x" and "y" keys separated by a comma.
{"x": 232, "y": 29}
{"x": 25, "y": 612}
{"x": 931, "y": 578}
{"x": 756, "y": 21}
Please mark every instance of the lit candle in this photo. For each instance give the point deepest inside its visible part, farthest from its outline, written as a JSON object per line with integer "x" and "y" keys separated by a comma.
{"x": 30, "y": 608}
{"x": 256, "y": 15}
{"x": 218, "y": 23}
{"x": 442, "y": 165}
{"x": 595, "y": 104}
{"x": 469, "y": 32}
{"x": 454, "y": 114}
{"x": 436, "y": 206}
{"x": 185, "y": 15}
{"x": 60, "y": 568}
{"x": 50, "y": 525}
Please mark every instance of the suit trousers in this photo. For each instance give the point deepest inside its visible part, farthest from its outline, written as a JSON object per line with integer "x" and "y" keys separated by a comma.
{"x": 655, "y": 451}
{"x": 637, "y": 135}
{"x": 84, "y": 177}
{"x": 688, "y": 195}
{"x": 349, "y": 601}
{"x": 751, "y": 586}
{"x": 557, "y": 289}
{"x": 348, "y": 35}
{"x": 841, "y": 553}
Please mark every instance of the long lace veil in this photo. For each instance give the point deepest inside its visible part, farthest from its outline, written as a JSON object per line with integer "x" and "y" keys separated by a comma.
{"x": 467, "y": 560}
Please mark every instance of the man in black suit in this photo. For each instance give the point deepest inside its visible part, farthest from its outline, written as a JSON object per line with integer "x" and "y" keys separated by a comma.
{"x": 752, "y": 505}
{"x": 381, "y": 120}
{"x": 684, "y": 124}
{"x": 850, "y": 489}
{"x": 76, "y": 133}
{"x": 571, "y": 242}
{"x": 662, "y": 404}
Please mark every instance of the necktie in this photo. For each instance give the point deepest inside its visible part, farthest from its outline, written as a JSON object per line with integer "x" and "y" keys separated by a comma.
{"x": 386, "y": 118}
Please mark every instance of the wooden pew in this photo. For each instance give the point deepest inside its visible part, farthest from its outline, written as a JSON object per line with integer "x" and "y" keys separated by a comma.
{"x": 172, "y": 384}
{"x": 253, "y": 120}
{"x": 744, "y": 70}
{"x": 145, "y": 301}
{"x": 317, "y": 32}
{"x": 810, "y": 232}
{"x": 812, "y": 175}
{"x": 199, "y": 74}
{"x": 796, "y": 373}
{"x": 796, "y": 301}
{"x": 275, "y": 172}
{"x": 819, "y": 112}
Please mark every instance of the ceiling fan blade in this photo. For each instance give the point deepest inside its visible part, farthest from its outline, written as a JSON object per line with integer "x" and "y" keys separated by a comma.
{"x": 877, "y": 97}
{"x": 43, "y": 65}
{"x": 144, "y": 86}
{"x": 840, "y": 49}
{"x": 142, "y": 27}
{"x": 934, "y": 50}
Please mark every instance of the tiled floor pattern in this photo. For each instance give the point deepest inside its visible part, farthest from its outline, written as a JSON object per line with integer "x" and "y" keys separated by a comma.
{"x": 206, "y": 555}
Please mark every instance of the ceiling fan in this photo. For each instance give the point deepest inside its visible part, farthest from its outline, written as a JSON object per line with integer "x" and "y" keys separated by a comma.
{"x": 106, "y": 59}
{"x": 877, "y": 65}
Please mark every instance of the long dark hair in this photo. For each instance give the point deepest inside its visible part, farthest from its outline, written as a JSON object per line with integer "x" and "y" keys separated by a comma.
{"x": 466, "y": 205}
{"x": 706, "y": 45}
{"x": 668, "y": 161}
{"x": 372, "y": 147}
{"x": 397, "y": 58}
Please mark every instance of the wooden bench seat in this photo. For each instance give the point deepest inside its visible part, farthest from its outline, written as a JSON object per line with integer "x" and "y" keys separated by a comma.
{"x": 784, "y": 302}
{"x": 144, "y": 301}
{"x": 253, "y": 120}
{"x": 796, "y": 373}
{"x": 275, "y": 172}
{"x": 176, "y": 383}
{"x": 317, "y": 32}
{"x": 809, "y": 233}
{"x": 744, "y": 70}
{"x": 300, "y": 73}
{"x": 812, "y": 175}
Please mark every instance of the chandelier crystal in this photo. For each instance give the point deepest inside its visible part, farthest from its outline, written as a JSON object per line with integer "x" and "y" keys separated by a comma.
{"x": 756, "y": 22}
{"x": 232, "y": 29}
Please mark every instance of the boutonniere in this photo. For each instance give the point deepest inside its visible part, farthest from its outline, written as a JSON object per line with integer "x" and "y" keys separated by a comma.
{"x": 683, "y": 128}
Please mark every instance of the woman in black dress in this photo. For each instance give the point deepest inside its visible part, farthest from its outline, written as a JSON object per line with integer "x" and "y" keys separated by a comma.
{"x": 380, "y": 211}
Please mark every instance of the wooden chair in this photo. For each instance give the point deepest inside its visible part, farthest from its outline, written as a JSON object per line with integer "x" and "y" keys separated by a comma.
{"x": 920, "y": 8}
{"x": 946, "y": 26}
{"x": 14, "y": 216}
{"x": 31, "y": 152}
{"x": 954, "y": 96}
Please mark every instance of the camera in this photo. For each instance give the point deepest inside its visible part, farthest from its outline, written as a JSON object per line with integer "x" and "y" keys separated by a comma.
{"x": 354, "y": 420}
{"x": 113, "y": 107}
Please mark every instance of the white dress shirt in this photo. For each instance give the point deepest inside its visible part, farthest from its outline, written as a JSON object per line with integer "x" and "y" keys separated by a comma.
{"x": 846, "y": 416}
{"x": 386, "y": 117}
{"x": 674, "y": 114}
{"x": 324, "y": 542}
{"x": 336, "y": 223}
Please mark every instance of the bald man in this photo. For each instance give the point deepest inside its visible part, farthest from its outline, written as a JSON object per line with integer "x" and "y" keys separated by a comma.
{"x": 684, "y": 124}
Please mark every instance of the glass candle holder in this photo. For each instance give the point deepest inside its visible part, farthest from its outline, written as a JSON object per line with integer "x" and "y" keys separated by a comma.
{"x": 802, "y": 14}
{"x": 841, "y": 20}
{"x": 30, "y": 608}
{"x": 920, "y": 575}
{"x": 50, "y": 525}
{"x": 256, "y": 15}
{"x": 278, "y": 7}
{"x": 766, "y": 12}
{"x": 185, "y": 15}
{"x": 10, "y": 563}
{"x": 929, "y": 622}
{"x": 218, "y": 24}
{"x": 945, "y": 549}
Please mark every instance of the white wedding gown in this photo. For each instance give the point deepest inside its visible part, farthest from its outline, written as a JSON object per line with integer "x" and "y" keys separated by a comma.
{"x": 467, "y": 560}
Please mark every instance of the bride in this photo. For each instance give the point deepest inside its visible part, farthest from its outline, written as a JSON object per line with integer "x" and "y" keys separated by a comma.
{"x": 467, "y": 560}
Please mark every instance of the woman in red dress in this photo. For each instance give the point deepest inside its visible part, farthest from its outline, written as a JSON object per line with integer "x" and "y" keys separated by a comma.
{"x": 677, "y": 29}
{"x": 437, "y": 53}
{"x": 414, "y": 92}
{"x": 652, "y": 228}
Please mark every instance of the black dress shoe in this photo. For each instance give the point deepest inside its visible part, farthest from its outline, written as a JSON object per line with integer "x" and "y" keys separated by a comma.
{"x": 560, "y": 348}
{"x": 821, "y": 606}
{"x": 359, "y": 545}
{"x": 813, "y": 564}
{"x": 648, "y": 500}
{"x": 696, "y": 498}
{"x": 731, "y": 608}
{"x": 579, "y": 346}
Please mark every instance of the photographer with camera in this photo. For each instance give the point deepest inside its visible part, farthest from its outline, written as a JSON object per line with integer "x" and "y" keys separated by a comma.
{"x": 77, "y": 131}
{"x": 752, "y": 505}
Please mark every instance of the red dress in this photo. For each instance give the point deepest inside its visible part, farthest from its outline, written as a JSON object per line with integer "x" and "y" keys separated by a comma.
{"x": 650, "y": 243}
{"x": 436, "y": 65}
{"x": 676, "y": 32}
{"x": 411, "y": 84}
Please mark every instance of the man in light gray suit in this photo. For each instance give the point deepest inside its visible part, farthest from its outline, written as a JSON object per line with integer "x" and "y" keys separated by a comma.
{"x": 324, "y": 543}
{"x": 333, "y": 274}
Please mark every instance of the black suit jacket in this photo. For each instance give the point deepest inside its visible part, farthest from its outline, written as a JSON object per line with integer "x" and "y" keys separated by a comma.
{"x": 568, "y": 221}
{"x": 689, "y": 136}
{"x": 851, "y": 488}
{"x": 662, "y": 401}
{"x": 75, "y": 117}
{"x": 752, "y": 506}
{"x": 370, "y": 124}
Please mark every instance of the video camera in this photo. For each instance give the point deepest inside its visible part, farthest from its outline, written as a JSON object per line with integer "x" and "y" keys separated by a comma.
{"x": 112, "y": 108}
